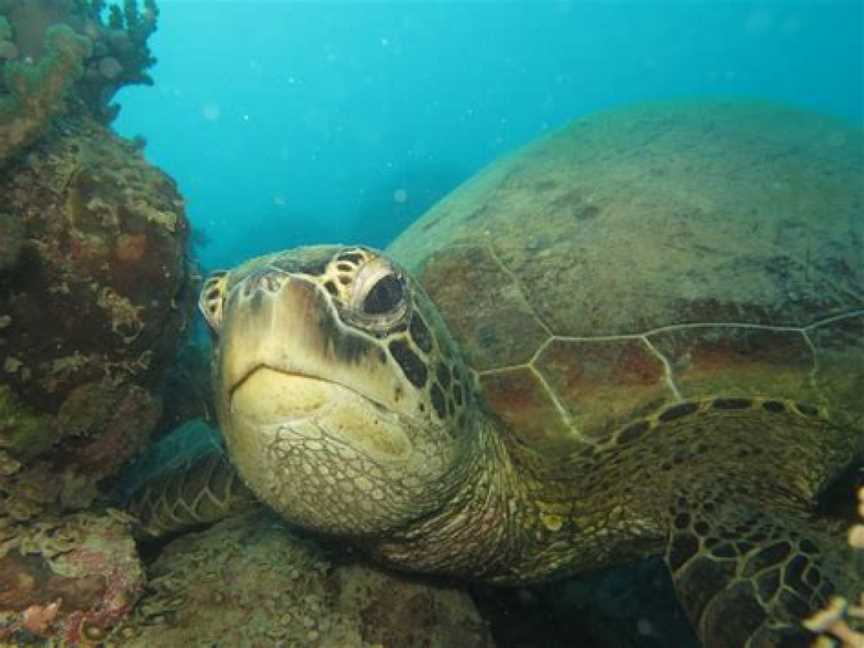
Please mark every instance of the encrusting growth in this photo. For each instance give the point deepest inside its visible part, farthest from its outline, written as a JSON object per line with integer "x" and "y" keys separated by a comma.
{"x": 60, "y": 57}
{"x": 37, "y": 91}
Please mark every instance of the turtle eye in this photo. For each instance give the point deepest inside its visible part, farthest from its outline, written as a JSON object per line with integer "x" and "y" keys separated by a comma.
{"x": 386, "y": 295}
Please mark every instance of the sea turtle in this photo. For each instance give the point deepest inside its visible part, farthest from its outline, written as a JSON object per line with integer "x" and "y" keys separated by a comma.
{"x": 643, "y": 334}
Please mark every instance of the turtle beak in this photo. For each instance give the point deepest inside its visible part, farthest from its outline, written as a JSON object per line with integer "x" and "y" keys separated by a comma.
{"x": 274, "y": 320}
{"x": 285, "y": 363}
{"x": 284, "y": 326}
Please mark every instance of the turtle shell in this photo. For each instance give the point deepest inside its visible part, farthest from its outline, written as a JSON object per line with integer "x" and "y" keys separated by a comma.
{"x": 644, "y": 259}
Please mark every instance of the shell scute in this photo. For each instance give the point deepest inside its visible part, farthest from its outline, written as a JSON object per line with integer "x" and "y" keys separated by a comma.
{"x": 719, "y": 232}
{"x": 484, "y": 307}
{"x": 738, "y": 361}
{"x": 838, "y": 373}
{"x": 524, "y": 404}
{"x": 622, "y": 374}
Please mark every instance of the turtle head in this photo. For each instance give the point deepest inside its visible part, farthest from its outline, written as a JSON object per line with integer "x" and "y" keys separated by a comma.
{"x": 340, "y": 394}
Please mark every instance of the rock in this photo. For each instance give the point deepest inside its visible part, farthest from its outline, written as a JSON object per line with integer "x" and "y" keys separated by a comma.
{"x": 69, "y": 578}
{"x": 94, "y": 295}
{"x": 248, "y": 581}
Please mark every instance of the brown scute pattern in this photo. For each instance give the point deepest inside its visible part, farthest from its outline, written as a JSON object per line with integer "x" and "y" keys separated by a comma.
{"x": 499, "y": 328}
{"x": 525, "y": 406}
{"x": 412, "y": 366}
{"x": 621, "y": 185}
{"x": 677, "y": 411}
{"x": 761, "y": 571}
{"x": 420, "y": 333}
{"x": 637, "y": 429}
{"x": 438, "y": 401}
{"x": 623, "y": 375}
{"x": 840, "y": 346}
{"x": 600, "y": 385}
{"x": 738, "y": 361}
{"x": 442, "y": 373}
{"x": 350, "y": 257}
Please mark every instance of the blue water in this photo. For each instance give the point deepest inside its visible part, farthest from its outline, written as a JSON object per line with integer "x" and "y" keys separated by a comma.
{"x": 288, "y": 123}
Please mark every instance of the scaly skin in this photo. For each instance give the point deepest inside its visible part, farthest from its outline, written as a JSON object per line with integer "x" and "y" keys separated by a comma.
{"x": 330, "y": 420}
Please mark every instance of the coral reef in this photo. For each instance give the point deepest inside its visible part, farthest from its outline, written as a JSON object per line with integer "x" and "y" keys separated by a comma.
{"x": 61, "y": 57}
{"x": 73, "y": 577}
{"x": 94, "y": 296}
{"x": 37, "y": 91}
{"x": 248, "y": 581}
{"x": 91, "y": 311}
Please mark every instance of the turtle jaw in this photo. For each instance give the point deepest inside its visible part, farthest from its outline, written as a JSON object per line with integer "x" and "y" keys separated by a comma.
{"x": 318, "y": 418}
{"x": 269, "y": 398}
{"x": 280, "y": 395}
{"x": 327, "y": 458}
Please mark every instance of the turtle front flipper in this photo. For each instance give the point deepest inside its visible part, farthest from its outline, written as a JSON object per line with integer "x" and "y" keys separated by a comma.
{"x": 199, "y": 491}
{"x": 749, "y": 577}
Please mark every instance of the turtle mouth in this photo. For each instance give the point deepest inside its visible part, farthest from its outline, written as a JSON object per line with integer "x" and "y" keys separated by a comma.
{"x": 282, "y": 395}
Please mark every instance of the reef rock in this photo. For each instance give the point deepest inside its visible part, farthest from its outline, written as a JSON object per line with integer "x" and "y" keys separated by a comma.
{"x": 93, "y": 298}
{"x": 71, "y": 578}
{"x": 248, "y": 581}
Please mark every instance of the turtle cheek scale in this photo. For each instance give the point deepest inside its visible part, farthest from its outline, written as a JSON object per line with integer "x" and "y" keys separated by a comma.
{"x": 343, "y": 466}
{"x": 319, "y": 422}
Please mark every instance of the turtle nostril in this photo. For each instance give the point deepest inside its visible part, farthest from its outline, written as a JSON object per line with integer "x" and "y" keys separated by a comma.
{"x": 266, "y": 280}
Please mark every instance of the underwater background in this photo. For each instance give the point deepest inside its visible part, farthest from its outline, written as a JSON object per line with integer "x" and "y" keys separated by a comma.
{"x": 267, "y": 125}
{"x": 303, "y": 122}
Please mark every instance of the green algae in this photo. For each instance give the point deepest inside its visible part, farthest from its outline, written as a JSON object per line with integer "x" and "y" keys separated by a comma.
{"x": 23, "y": 432}
{"x": 37, "y": 91}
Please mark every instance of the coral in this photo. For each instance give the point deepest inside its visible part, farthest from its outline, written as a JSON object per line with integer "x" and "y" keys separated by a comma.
{"x": 37, "y": 91}
{"x": 248, "y": 581}
{"x": 23, "y": 432}
{"x": 72, "y": 577}
{"x": 60, "y": 57}
{"x": 91, "y": 313}
{"x": 842, "y": 621}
